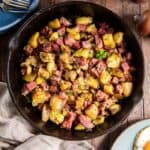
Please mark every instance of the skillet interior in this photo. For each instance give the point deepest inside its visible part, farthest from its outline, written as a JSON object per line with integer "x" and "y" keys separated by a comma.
{"x": 70, "y": 10}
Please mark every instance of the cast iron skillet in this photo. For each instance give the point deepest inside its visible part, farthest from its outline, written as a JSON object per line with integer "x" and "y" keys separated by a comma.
{"x": 70, "y": 10}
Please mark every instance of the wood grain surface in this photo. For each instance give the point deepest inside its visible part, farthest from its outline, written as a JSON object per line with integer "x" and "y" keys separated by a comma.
{"x": 126, "y": 9}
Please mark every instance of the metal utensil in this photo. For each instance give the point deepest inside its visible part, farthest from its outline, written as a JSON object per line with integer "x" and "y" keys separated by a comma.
{"x": 22, "y": 4}
{"x": 15, "y": 6}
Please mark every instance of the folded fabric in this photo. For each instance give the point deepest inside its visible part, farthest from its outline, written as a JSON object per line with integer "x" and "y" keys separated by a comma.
{"x": 14, "y": 127}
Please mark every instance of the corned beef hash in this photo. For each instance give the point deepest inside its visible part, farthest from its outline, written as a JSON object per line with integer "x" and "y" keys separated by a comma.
{"x": 77, "y": 72}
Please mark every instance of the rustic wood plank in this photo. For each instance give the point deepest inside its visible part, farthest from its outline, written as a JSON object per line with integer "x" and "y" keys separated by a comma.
{"x": 115, "y": 6}
{"x": 146, "y": 51}
{"x": 129, "y": 10}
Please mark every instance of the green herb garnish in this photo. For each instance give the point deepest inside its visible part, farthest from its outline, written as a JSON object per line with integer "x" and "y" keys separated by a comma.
{"x": 101, "y": 54}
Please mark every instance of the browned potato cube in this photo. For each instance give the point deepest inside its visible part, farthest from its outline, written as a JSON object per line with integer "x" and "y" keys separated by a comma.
{"x": 39, "y": 96}
{"x": 92, "y": 111}
{"x": 109, "y": 89}
{"x": 118, "y": 37}
{"x": 45, "y": 113}
{"x": 92, "y": 82}
{"x": 56, "y": 117}
{"x": 105, "y": 77}
{"x": 55, "y": 24}
{"x": 54, "y": 36}
{"x": 115, "y": 108}
{"x": 56, "y": 103}
{"x": 29, "y": 77}
{"x": 127, "y": 88}
{"x": 113, "y": 61}
{"x": 79, "y": 103}
{"x": 33, "y": 41}
{"x": 108, "y": 41}
{"x": 79, "y": 127}
{"x": 84, "y": 20}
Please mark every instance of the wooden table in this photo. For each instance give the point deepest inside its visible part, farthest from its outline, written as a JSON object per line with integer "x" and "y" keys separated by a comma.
{"x": 126, "y": 9}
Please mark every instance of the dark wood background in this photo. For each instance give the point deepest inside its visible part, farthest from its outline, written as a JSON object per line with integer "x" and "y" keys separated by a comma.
{"x": 126, "y": 9}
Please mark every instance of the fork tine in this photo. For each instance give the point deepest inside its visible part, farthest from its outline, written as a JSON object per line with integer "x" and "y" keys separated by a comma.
{"x": 23, "y": 2}
{"x": 12, "y": 9}
{"x": 18, "y": 2}
{"x": 16, "y": 5}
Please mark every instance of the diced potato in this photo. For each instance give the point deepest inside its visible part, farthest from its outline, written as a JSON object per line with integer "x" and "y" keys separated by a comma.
{"x": 79, "y": 103}
{"x": 55, "y": 24}
{"x": 68, "y": 66}
{"x": 118, "y": 37}
{"x": 79, "y": 127}
{"x": 109, "y": 89}
{"x": 51, "y": 66}
{"x": 70, "y": 75}
{"x": 83, "y": 52}
{"x": 113, "y": 61}
{"x": 92, "y": 111}
{"x": 28, "y": 69}
{"x": 46, "y": 57}
{"x": 84, "y": 20}
{"x": 99, "y": 120}
{"x": 92, "y": 82}
{"x": 39, "y": 96}
{"x": 105, "y": 77}
{"x": 64, "y": 57}
{"x": 33, "y": 41}
{"x": 127, "y": 88}
{"x": 71, "y": 99}
{"x": 42, "y": 40}
{"x": 97, "y": 103}
{"x": 118, "y": 73}
{"x": 91, "y": 28}
{"x": 108, "y": 41}
{"x": 73, "y": 75}
{"x": 114, "y": 108}
{"x": 81, "y": 83}
{"x": 65, "y": 48}
{"x": 56, "y": 103}
{"x": 74, "y": 33}
{"x": 76, "y": 36}
{"x": 91, "y": 54}
{"x": 64, "y": 85}
{"x": 29, "y": 77}
{"x": 43, "y": 73}
{"x": 39, "y": 80}
{"x": 82, "y": 35}
{"x": 56, "y": 117}
{"x": 45, "y": 113}
{"x": 87, "y": 96}
{"x": 64, "y": 112}
{"x": 54, "y": 36}
{"x": 31, "y": 60}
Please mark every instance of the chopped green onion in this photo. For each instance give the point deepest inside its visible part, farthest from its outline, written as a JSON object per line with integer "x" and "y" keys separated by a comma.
{"x": 101, "y": 54}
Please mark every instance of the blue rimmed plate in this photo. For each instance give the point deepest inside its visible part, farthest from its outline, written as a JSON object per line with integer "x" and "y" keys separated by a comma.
{"x": 9, "y": 20}
{"x": 126, "y": 139}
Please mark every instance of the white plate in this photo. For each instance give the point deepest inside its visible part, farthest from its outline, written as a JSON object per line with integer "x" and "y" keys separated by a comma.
{"x": 126, "y": 139}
